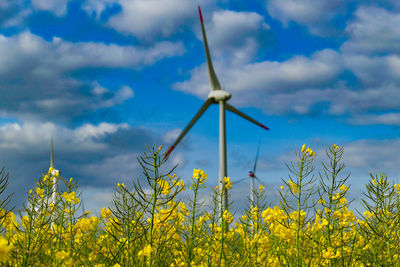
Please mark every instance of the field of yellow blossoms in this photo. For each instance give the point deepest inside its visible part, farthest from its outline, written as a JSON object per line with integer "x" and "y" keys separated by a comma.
{"x": 153, "y": 222}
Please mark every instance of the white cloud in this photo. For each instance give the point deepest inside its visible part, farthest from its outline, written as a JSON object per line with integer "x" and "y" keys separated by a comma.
{"x": 13, "y": 12}
{"x": 58, "y": 55}
{"x": 235, "y": 35}
{"x": 38, "y": 134}
{"x": 94, "y": 199}
{"x": 89, "y": 131}
{"x": 58, "y": 7}
{"x": 36, "y": 73}
{"x": 373, "y": 30}
{"x": 96, "y": 7}
{"x": 120, "y": 96}
{"x": 377, "y": 119}
{"x": 374, "y": 70}
{"x": 150, "y": 18}
{"x": 97, "y": 155}
{"x": 316, "y": 15}
{"x": 254, "y": 83}
{"x": 171, "y": 135}
{"x": 358, "y": 101}
{"x": 373, "y": 155}
{"x": 178, "y": 159}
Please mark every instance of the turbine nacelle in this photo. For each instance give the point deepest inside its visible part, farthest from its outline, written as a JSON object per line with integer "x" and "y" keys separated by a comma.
{"x": 219, "y": 95}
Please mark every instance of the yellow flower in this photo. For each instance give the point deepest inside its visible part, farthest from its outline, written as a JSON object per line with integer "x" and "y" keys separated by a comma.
{"x": 337, "y": 196}
{"x": 329, "y": 254}
{"x": 281, "y": 187}
{"x": 145, "y": 252}
{"x": 293, "y": 186}
{"x": 166, "y": 189}
{"x": 335, "y": 146}
{"x": 105, "y": 213}
{"x": 55, "y": 173}
{"x": 227, "y": 216}
{"x": 303, "y": 148}
{"x": 50, "y": 170}
{"x": 343, "y": 187}
{"x": 199, "y": 175}
{"x": 61, "y": 255}
{"x": 207, "y": 215}
{"x": 25, "y": 221}
{"x": 4, "y": 249}
{"x": 69, "y": 197}
{"x": 227, "y": 183}
{"x": 260, "y": 187}
{"x": 183, "y": 208}
{"x": 181, "y": 184}
{"x": 39, "y": 192}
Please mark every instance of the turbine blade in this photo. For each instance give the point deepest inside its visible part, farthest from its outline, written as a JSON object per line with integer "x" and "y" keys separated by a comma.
{"x": 52, "y": 154}
{"x": 255, "y": 162}
{"x": 203, "y": 108}
{"x": 261, "y": 182}
{"x": 211, "y": 73}
{"x": 238, "y": 181}
{"x": 241, "y": 114}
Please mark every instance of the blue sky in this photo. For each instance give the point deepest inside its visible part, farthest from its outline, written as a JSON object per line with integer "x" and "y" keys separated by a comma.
{"x": 106, "y": 77}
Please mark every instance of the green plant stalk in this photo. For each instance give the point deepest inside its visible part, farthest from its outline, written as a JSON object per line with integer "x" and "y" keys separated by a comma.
{"x": 386, "y": 230}
{"x": 221, "y": 251}
{"x": 153, "y": 207}
{"x": 300, "y": 177}
{"x": 192, "y": 237}
{"x": 333, "y": 185}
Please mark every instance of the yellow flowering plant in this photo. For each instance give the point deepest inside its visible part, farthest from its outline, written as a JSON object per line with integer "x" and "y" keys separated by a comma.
{"x": 151, "y": 224}
{"x": 294, "y": 201}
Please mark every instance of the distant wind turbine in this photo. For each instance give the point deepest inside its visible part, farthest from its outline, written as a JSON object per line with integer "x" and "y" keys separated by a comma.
{"x": 216, "y": 96}
{"x": 252, "y": 176}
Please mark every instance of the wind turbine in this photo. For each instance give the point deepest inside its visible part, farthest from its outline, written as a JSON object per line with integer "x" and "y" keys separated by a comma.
{"x": 252, "y": 176}
{"x": 216, "y": 96}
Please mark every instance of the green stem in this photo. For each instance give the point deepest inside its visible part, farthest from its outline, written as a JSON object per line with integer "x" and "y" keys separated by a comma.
{"x": 300, "y": 177}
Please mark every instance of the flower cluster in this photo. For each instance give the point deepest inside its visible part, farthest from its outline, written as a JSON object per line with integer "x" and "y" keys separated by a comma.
{"x": 158, "y": 228}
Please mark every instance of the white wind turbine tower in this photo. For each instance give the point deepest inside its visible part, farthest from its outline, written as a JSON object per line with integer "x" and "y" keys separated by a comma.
{"x": 216, "y": 96}
{"x": 53, "y": 173}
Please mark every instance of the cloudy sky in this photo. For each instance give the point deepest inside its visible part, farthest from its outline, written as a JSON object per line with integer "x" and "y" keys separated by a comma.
{"x": 106, "y": 77}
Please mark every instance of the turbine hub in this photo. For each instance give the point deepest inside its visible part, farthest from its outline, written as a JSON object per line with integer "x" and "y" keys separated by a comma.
{"x": 219, "y": 95}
